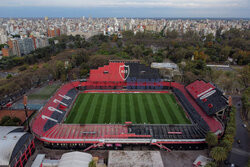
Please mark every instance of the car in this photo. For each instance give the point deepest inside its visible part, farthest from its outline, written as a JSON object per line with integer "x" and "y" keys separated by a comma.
{"x": 244, "y": 125}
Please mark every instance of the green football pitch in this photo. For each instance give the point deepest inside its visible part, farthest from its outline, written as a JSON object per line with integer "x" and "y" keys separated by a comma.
{"x": 139, "y": 108}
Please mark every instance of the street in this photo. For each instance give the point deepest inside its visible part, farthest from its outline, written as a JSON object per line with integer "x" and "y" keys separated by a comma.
{"x": 240, "y": 152}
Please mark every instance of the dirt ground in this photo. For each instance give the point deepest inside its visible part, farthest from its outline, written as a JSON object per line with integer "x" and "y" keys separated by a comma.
{"x": 134, "y": 158}
{"x": 15, "y": 113}
{"x": 181, "y": 158}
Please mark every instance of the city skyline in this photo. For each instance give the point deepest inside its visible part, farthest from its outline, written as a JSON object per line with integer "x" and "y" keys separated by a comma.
{"x": 129, "y": 8}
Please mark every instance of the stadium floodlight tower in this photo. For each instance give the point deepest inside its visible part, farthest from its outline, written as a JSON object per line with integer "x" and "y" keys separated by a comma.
{"x": 25, "y": 100}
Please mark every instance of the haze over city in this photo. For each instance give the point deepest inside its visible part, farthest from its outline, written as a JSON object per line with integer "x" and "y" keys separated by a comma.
{"x": 126, "y": 8}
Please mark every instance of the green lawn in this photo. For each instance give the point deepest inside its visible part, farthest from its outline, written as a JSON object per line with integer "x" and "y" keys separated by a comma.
{"x": 100, "y": 108}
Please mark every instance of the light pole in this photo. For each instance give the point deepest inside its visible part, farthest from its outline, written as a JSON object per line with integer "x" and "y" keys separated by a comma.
{"x": 25, "y": 99}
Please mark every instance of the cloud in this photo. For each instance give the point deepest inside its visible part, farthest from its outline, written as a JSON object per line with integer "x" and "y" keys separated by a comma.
{"x": 127, "y": 3}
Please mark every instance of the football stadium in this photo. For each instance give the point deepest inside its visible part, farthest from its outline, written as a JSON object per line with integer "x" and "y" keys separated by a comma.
{"x": 127, "y": 103}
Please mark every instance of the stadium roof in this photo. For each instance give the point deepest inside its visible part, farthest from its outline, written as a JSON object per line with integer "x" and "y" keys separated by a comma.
{"x": 75, "y": 159}
{"x": 9, "y": 137}
{"x": 7, "y": 129}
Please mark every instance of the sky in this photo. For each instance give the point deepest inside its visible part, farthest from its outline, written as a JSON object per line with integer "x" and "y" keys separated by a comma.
{"x": 126, "y": 8}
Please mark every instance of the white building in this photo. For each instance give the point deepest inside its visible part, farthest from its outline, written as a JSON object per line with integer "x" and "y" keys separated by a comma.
{"x": 71, "y": 159}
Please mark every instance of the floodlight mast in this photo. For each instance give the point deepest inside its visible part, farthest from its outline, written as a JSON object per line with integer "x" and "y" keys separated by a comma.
{"x": 25, "y": 99}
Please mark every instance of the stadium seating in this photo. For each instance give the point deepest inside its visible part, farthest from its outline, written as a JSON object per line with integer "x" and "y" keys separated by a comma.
{"x": 85, "y": 131}
{"x": 209, "y": 98}
{"x": 142, "y": 72}
{"x": 111, "y": 73}
{"x": 168, "y": 131}
{"x": 191, "y": 111}
{"x": 214, "y": 103}
{"x": 212, "y": 122}
{"x": 108, "y": 73}
{"x": 41, "y": 123}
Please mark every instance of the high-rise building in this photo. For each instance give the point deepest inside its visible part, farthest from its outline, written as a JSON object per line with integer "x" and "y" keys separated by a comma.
{"x": 46, "y": 21}
{"x": 21, "y": 46}
{"x": 41, "y": 42}
{"x": 54, "y": 32}
{"x": 24, "y": 46}
{"x": 3, "y": 39}
{"x": 14, "y": 46}
{"x": 6, "y": 52}
{"x": 28, "y": 45}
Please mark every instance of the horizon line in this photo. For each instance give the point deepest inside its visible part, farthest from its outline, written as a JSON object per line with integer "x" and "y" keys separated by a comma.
{"x": 36, "y": 17}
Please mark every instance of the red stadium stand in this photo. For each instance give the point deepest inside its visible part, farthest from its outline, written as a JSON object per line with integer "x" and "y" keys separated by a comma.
{"x": 108, "y": 73}
{"x": 212, "y": 122}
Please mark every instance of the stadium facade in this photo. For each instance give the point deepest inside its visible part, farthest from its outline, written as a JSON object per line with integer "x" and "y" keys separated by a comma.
{"x": 201, "y": 101}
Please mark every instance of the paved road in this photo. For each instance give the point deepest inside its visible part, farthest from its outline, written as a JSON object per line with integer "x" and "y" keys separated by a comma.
{"x": 240, "y": 152}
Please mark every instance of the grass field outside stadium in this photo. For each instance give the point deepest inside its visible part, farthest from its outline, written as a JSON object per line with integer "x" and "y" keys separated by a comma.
{"x": 117, "y": 108}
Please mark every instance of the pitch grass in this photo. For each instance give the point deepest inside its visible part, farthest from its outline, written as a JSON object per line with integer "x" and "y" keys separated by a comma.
{"x": 149, "y": 108}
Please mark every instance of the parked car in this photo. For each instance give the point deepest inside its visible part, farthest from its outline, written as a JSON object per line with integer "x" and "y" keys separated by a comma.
{"x": 244, "y": 125}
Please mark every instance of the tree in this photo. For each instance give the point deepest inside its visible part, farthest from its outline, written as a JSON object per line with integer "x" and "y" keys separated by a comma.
{"x": 92, "y": 164}
{"x": 219, "y": 154}
{"x": 214, "y": 75}
{"x": 83, "y": 72}
{"x": 230, "y": 130}
{"x": 23, "y": 68}
{"x": 211, "y": 140}
{"x": 225, "y": 52}
{"x": 241, "y": 56}
{"x": 229, "y": 137}
{"x": 172, "y": 34}
{"x": 178, "y": 54}
{"x": 119, "y": 43}
{"x": 8, "y": 121}
{"x": 71, "y": 46}
{"x": 244, "y": 76}
{"x": 200, "y": 56}
{"x": 227, "y": 144}
{"x": 60, "y": 70}
{"x": 211, "y": 164}
{"x": 4, "y": 120}
{"x": 189, "y": 77}
{"x": 9, "y": 76}
{"x": 137, "y": 52}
